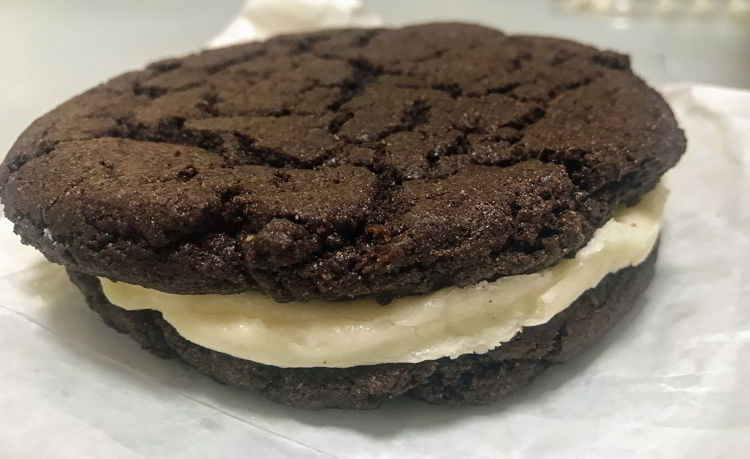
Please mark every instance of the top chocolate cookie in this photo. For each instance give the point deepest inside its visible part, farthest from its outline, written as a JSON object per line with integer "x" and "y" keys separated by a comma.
{"x": 341, "y": 163}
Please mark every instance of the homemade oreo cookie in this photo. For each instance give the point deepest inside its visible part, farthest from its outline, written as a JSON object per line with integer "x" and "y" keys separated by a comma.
{"x": 374, "y": 197}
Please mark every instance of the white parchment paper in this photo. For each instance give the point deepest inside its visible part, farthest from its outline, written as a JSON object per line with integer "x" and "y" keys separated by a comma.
{"x": 671, "y": 381}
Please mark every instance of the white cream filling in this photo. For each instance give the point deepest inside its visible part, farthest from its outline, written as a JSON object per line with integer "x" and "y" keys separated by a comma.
{"x": 448, "y": 322}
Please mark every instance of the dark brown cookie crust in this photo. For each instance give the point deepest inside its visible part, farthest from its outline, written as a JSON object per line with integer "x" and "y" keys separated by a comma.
{"x": 342, "y": 163}
{"x": 469, "y": 379}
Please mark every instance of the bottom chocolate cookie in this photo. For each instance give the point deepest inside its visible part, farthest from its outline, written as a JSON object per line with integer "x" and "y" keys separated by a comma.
{"x": 468, "y": 379}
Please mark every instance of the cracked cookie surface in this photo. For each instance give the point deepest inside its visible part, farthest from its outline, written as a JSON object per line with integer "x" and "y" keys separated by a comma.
{"x": 342, "y": 163}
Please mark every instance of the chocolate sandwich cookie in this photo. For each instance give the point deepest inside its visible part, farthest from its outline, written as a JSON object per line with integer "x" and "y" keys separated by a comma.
{"x": 350, "y": 166}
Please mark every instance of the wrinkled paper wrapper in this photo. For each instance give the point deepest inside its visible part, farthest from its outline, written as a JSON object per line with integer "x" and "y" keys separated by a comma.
{"x": 671, "y": 381}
